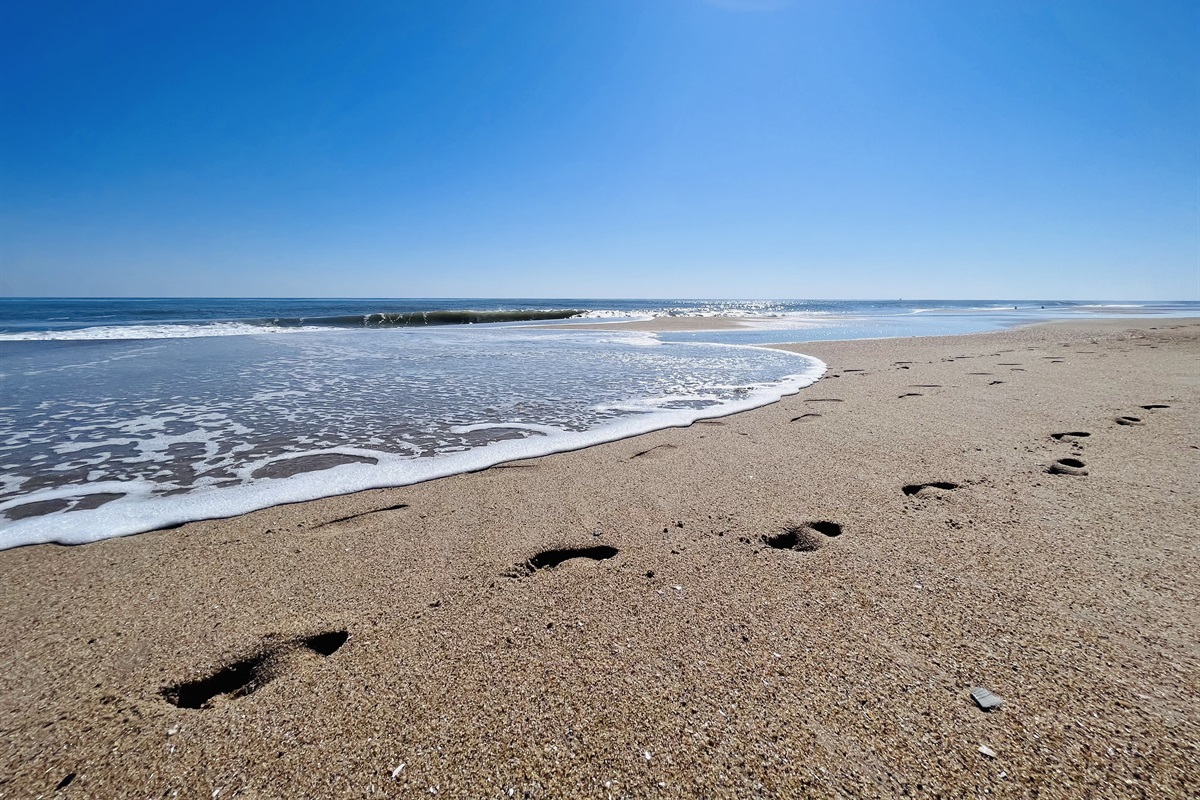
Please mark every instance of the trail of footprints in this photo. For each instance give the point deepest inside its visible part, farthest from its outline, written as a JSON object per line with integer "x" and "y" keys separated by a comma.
{"x": 1076, "y": 466}
{"x": 246, "y": 675}
{"x": 274, "y": 658}
{"x": 1063, "y": 466}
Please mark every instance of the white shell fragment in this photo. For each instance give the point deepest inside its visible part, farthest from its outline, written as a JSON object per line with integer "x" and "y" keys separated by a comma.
{"x": 985, "y": 699}
{"x": 987, "y": 751}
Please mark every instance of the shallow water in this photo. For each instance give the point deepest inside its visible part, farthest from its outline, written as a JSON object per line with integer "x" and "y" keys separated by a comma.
{"x": 130, "y": 415}
{"x": 100, "y": 438}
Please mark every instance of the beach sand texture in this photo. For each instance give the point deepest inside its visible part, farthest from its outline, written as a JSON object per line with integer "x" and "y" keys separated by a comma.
{"x": 793, "y": 601}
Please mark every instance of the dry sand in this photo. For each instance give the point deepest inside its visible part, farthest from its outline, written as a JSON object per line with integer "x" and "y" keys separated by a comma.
{"x": 697, "y": 660}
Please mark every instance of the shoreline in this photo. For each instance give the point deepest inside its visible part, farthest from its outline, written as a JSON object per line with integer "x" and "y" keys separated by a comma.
{"x": 716, "y": 323}
{"x": 680, "y": 648}
{"x": 228, "y": 506}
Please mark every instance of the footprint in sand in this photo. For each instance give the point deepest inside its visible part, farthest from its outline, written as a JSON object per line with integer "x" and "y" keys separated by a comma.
{"x": 921, "y": 488}
{"x": 549, "y": 559}
{"x": 1070, "y": 436}
{"x": 657, "y": 450}
{"x": 349, "y": 517}
{"x": 910, "y": 394}
{"x": 993, "y": 383}
{"x": 1155, "y": 406}
{"x": 1067, "y": 466}
{"x": 1128, "y": 420}
{"x": 247, "y": 675}
{"x": 803, "y": 538}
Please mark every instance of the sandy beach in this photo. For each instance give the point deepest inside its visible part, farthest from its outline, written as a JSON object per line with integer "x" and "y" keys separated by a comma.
{"x": 794, "y": 601}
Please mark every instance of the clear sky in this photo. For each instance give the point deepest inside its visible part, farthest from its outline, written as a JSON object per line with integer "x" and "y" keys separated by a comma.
{"x": 601, "y": 148}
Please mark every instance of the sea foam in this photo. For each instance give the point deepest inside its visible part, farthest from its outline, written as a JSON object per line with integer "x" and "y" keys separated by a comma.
{"x": 157, "y": 434}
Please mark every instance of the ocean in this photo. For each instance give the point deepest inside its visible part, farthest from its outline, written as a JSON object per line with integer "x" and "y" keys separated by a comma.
{"x": 119, "y": 416}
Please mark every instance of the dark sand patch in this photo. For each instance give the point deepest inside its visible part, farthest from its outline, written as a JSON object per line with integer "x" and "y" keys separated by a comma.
{"x": 90, "y": 501}
{"x": 657, "y": 450}
{"x": 295, "y": 466}
{"x": 349, "y": 517}
{"x": 36, "y": 509}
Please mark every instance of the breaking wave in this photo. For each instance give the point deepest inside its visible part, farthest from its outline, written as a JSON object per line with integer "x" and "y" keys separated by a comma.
{"x": 383, "y": 319}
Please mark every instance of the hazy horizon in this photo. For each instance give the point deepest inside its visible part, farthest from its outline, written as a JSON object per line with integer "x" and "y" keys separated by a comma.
{"x": 621, "y": 298}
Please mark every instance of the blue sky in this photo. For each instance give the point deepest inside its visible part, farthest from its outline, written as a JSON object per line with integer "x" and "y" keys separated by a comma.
{"x": 615, "y": 148}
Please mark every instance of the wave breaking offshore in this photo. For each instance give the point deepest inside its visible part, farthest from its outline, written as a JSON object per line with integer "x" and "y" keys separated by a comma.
{"x": 372, "y": 320}
{"x": 419, "y": 319}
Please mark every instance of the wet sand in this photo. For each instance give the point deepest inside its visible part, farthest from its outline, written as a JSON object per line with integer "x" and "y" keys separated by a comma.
{"x": 791, "y": 601}
{"x": 659, "y": 324}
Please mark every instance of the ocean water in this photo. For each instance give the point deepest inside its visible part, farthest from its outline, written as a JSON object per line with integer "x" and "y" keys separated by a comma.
{"x": 122, "y": 416}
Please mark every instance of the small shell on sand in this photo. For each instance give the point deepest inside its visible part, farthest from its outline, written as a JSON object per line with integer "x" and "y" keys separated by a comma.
{"x": 985, "y": 699}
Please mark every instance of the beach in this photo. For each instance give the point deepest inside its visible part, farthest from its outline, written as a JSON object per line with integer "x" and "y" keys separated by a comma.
{"x": 791, "y": 601}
